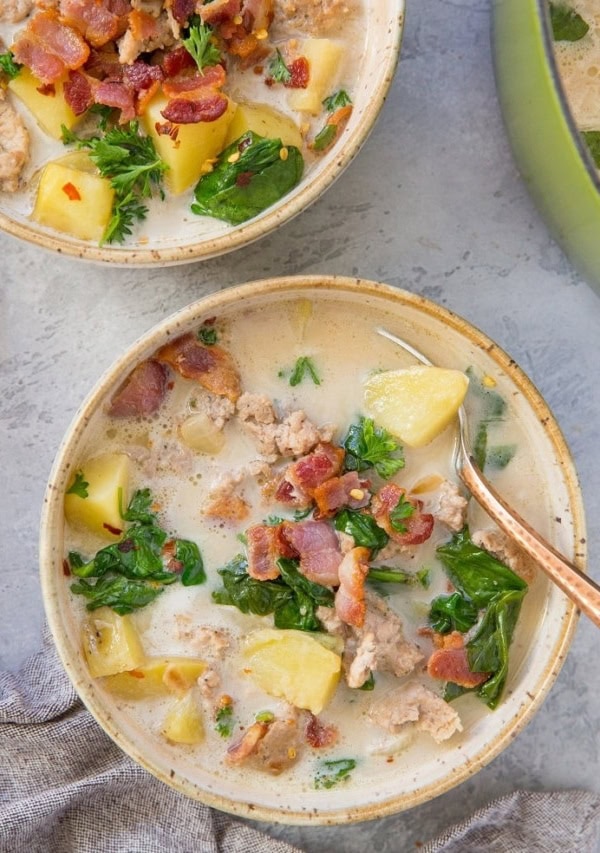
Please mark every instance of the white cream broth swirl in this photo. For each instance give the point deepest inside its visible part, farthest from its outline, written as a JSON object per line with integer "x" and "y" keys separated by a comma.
{"x": 345, "y": 348}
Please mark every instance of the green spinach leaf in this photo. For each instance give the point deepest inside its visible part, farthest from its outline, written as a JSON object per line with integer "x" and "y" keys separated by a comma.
{"x": 121, "y": 594}
{"x": 332, "y": 772}
{"x": 452, "y": 613}
{"x": 362, "y": 527}
{"x": 250, "y": 175}
{"x": 567, "y": 24}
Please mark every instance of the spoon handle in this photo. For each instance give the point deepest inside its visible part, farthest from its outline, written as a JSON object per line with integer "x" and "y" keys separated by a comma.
{"x": 577, "y": 586}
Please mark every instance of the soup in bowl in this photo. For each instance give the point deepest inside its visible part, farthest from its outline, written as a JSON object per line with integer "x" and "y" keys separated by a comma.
{"x": 261, "y": 571}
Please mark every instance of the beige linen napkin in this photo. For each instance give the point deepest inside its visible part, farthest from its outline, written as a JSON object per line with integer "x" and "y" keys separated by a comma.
{"x": 65, "y": 787}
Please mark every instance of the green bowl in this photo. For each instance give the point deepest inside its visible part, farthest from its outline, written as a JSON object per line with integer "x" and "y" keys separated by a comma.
{"x": 550, "y": 152}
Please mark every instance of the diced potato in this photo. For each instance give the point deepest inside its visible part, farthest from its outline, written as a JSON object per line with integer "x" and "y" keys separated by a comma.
{"x": 324, "y": 57}
{"x": 200, "y": 433}
{"x": 415, "y": 404}
{"x": 157, "y": 677}
{"x": 73, "y": 201}
{"x": 107, "y": 478}
{"x": 110, "y": 643}
{"x": 265, "y": 121}
{"x": 183, "y": 723}
{"x": 50, "y": 111}
{"x": 190, "y": 146}
{"x": 292, "y": 665}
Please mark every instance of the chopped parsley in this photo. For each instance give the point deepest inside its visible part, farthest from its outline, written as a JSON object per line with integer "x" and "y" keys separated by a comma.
{"x": 304, "y": 367}
{"x": 339, "y": 99}
{"x": 332, "y": 772}
{"x": 403, "y": 510}
{"x": 134, "y": 168}
{"x": 278, "y": 70}
{"x": 208, "y": 335}
{"x": 369, "y": 446}
{"x": 9, "y": 66}
{"x": 224, "y": 722}
{"x": 325, "y": 137}
{"x": 264, "y": 717}
{"x": 79, "y": 486}
{"x": 200, "y": 44}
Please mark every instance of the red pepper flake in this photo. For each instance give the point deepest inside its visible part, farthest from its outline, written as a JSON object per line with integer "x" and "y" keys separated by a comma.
{"x": 243, "y": 179}
{"x": 114, "y": 530}
{"x": 66, "y": 568}
{"x": 300, "y": 71}
{"x": 258, "y": 69}
{"x": 167, "y": 128}
{"x": 47, "y": 89}
{"x": 71, "y": 191}
{"x": 135, "y": 673}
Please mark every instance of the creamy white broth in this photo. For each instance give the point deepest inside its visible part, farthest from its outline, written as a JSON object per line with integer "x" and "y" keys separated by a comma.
{"x": 170, "y": 219}
{"x": 346, "y": 349}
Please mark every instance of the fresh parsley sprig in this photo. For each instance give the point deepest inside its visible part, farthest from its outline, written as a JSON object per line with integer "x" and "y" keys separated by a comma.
{"x": 339, "y": 99}
{"x": 9, "y": 66}
{"x": 200, "y": 44}
{"x": 278, "y": 70}
{"x": 134, "y": 168}
{"x": 370, "y": 446}
{"x": 79, "y": 486}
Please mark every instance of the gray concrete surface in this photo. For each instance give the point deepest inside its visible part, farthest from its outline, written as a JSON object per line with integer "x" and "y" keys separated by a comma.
{"x": 434, "y": 204}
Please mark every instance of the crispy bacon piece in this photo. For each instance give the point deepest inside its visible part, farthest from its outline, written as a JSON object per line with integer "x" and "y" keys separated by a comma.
{"x": 347, "y": 490}
{"x": 418, "y": 526}
{"x": 176, "y": 61}
{"x": 317, "y": 545}
{"x": 213, "y": 78}
{"x": 204, "y": 107}
{"x": 118, "y": 96}
{"x": 247, "y": 745}
{"x": 219, "y": 11}
{"x": 78, "y": 92}
{"x": 212, "y": 367}
{"x": 49, "y": 47}
{"x": 318, "y": 734}
{"x": 300, "y": 71}
{"x": 143, "y": 25}
{"x": 94, "y": 20}
{"x": 139, "y": 75}
{"x": 264, "y": 549}
{"x": 182, "y": 10}
{"x": 304, "y": 476}
{"x": 349, "y": 602}
{"x": 104, "y": 64}
{"x": 450, "y": 663}
{"x": 142, "y": 392}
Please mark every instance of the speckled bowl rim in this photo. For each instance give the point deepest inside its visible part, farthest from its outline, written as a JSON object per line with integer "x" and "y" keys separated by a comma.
{"x": 52, "y": 520}
{"x": 340, "y": 158}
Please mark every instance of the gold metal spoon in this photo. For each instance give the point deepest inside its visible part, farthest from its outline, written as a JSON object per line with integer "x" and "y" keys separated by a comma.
{"x": 577, "y": 586}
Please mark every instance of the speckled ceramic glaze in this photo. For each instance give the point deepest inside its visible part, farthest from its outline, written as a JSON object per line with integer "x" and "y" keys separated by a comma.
{"x": 174, "y": 241}
{"x": 552, "y": 157}
{"x": 536, "y": 658}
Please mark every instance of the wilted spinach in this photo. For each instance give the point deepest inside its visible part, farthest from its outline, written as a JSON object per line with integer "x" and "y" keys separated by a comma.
{"x": 332, "y": 772}
{"x": 291, "y": 598}
{"x": 567, "y": 24}
{"x": 362, "y": 527}
{"x": 452, "y": 613}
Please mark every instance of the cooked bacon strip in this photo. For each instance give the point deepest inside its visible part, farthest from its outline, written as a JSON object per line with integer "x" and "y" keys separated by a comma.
{"x": 48, "y": 47}
{"x": 212, "y": 78}
{"x": 182, "y": 10}
{"x": 119, "y": 96}
{"x": 347, "y": 490}
{"x": 139, "y": 75}
{"x": 247, "y": 745}
{"x": 142, "y": 393}
{"x": 219, "y": 11}
{"x": 94, "y": 20}
{"x": 78, "y": 92}
{"x": 44, "y": 65}
{"x": 104, "y": 64}
{"x": 212, "y": 367}
{"x": 418, "y": 526}
{"x": 191, "y": 110}
{"x": 302, "y": 477}
{"x": 349, "y": 602}
{"x": 142, "y": 25}
{"x": 176, "y": 61}
{"x": 317, "y": 545}
{"x": 264, "y": 549}
{"x": 318, "y": 734}
{"x": 451, "y": 664}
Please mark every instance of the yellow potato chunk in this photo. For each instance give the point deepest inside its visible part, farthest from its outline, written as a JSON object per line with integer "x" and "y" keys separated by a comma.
{"x": 157, "y": 677}
{"x": 200, "y": 433}
{"x": 294, "y": 666}
{"x": 415, "y": 404}
{"x": 189, "y": 147}
{"x": 107, "y": 478}
{"x": 324, "y": 57}
{"x": 110, "y": 643}
{"x": 73, "y": 201}
{"x": 265, "y": 121}
{"x": 183, "y": 722}
{"x": 50, "y": 111}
